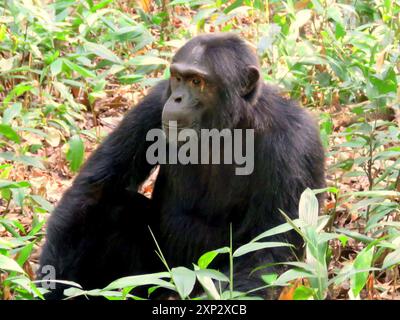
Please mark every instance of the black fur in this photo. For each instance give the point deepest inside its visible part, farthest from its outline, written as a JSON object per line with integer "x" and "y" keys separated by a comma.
{"x": 99, "y": 230}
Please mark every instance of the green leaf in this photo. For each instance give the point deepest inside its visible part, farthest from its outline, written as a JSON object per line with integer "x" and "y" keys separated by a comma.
{"x": 372, "y": 193}
{"x": 9, "y": 264}
{"x": 142, "y": 280}
{"x": 16, "y": 92}
{"x": 308, "y": 208}
{"x": 30, "y": 161}
{"x": 43, "y": 203}
{"x": 208, "y": 285}
{"x": 290, "y": 275}
{"x": 334, "y": 13}
{"x": 303, "y": 293}
{"x": 9, "y": 133}
{"x": 254, "y": 246}
{"x": 391, "y": 259}
{"x": 285, "y": 227}
{"x": 203, "y": 14}
{"x": 3, "y": 32}
{"x": 130, "y": 78}
{"x": 269, "y": 278}
{"x": 340, "y": 31}
{"x": 56, "y": 67}
{"x": 11, "y": 112}
{"x": 363, "y": 261}
{"x": 100, "y": 5}
{"x": 387, "y": 83}
{"x": 302, "y": 17}
{"x": 19, "y": 195}
{"x": 184, "y": 280}
{"x": 147, "y": 60}
{"x": 75, "y": 152}
{"x": 82, "y": 71}
{"x": 11, "y": 184}
{"x": 102, "y": 52}
{"x": 24, "y": 254}
{"x": 213, "y": 274}
{"x": 208, "y": 257}
{"x": 355, "y": 235}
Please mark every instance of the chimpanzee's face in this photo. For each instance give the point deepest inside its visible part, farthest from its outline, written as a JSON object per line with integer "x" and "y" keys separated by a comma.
{"x": 207, "y": 81}
{"x": 193, "y": 92}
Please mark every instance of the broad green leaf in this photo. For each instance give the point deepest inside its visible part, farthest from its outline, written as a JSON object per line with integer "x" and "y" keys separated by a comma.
{"x": 254, "y": 246}
{"x": 142, "y": 280}
{"x": 373, "y": 193}
{"x": 3, "y": 32}
{"x": 208, "y": 257}
{"x": 208, "y": 286}
{"x": 102, "y": 52}
{"x": 334, "y": 13}
{"x": 147, "y": 60}
{"x": 340, "y": 30}
{"x": 363, "y": 261}
{"x": 391, "y": 259}
{"x": 385, "y": 84}
{"x": 12, "y": 184}
{"x": 308, "y": 208}
{"x": 43, "y": 203}
{"x": 130, "y": 78}
{"x": 81, "y": 70}
{"x": 24, "y": 254}
{"x": 75, "y": 292}
{"x": 100, "y": 5}
{"x": 184, "y": 280}
{"x": 27, "y": 284}
{"x": 9, "y": 264}
{"x": 75, "y": 152}
{"x": 31, "y": 161}
{"x": 303, "y": 293}
{"x": 213, "y": 274}
{"x": 16, "y": 92}
{"x": 302, "y": 17}
{"x": 203, "y": 14}
{"x": 56, "y": 67}
{"x": 285, "y": 227}
{"x": 9, "y": 133}
{"x": 269, "y": 278}
{"x": 11, "y": 112}
{"x": 19, "y": 195}
{"x": 290, "y": 275}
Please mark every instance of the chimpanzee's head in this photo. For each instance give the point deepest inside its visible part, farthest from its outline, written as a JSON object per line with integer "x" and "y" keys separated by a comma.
{"x": 213, "y": 78}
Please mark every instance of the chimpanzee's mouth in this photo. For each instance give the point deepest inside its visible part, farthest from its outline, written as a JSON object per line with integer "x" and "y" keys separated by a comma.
{"x": 166, "y": 125}
{"x": 179, "y": 134}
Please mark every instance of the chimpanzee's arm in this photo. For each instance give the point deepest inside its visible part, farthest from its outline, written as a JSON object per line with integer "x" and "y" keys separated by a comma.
{"x": 98, "y": 206}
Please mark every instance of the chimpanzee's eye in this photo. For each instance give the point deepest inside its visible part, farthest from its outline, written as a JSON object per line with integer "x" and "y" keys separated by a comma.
{"x": 196, "y": 81}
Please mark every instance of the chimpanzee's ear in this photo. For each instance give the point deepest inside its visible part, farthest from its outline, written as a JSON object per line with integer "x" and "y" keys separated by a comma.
{"x": 251, "y": 82}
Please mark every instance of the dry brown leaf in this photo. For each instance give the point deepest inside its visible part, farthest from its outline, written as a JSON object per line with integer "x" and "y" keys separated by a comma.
{"x": 370, "y": 286}
{"x": 380, "y": 59}
{"x": 300, "y": 5}
{"x": 146, "y": 5}
{"x": 7, "y": 293}
{"x": 288, "y": 292}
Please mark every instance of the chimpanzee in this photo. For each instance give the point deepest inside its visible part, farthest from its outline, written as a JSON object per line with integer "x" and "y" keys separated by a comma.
{"x": 100, "y": 229}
